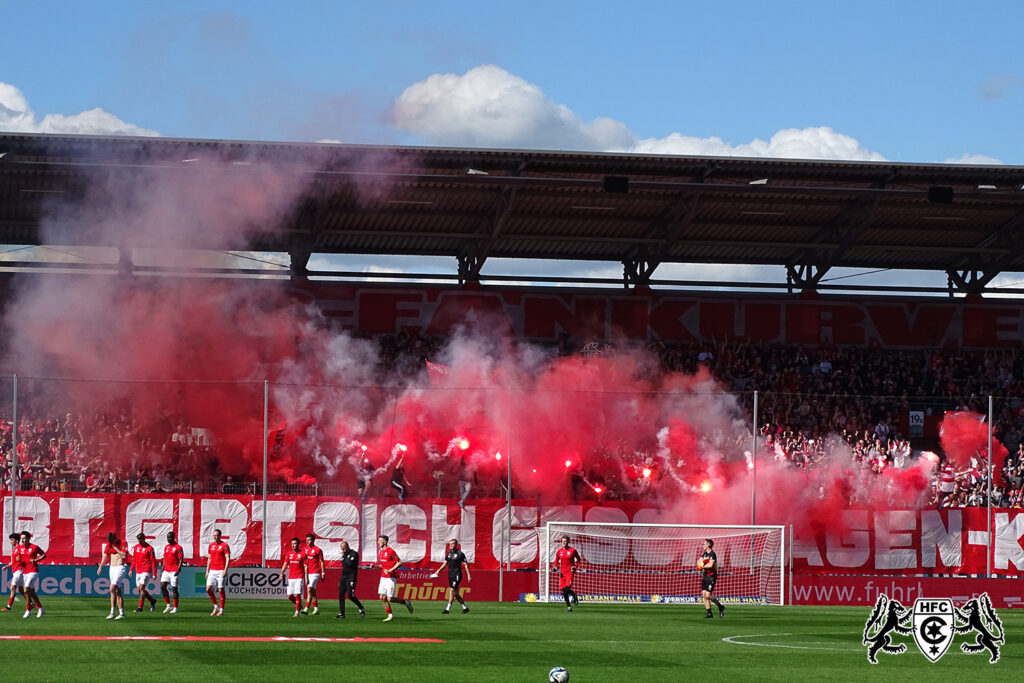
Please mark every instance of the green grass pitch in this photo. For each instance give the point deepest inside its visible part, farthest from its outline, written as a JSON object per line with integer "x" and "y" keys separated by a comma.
{"x": 494, "y": 642}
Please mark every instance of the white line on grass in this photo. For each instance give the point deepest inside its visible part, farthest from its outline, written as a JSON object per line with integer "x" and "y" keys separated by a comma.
{"x": 808, "y": 645}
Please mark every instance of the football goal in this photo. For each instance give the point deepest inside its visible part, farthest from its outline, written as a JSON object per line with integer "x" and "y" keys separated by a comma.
{"x": 657, "y": 563}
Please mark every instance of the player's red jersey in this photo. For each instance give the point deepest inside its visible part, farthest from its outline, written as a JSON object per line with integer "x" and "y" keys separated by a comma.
{"x": 16, "y": 564}
{"x": 296, "y": 563}
{"x": 388, "y": 559}
{"x": 218, "y": 554}
{"x": 174, "y": 555}
{"x": 109, "y": 549}
{"x": 144, "y": 559}
{"x": 29, "y": 553}
{"x": 564, "y": 559}
{"x": 313, "y": 555}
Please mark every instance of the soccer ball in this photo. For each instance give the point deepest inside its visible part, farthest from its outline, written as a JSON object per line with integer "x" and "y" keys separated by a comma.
{"x": 700, "y": 563}
{"x": 558, "y": 675}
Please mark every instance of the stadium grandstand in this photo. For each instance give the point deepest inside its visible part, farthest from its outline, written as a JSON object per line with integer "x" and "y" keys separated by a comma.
{"x": 819, "y": 374}
{"x": 641, "y": 211}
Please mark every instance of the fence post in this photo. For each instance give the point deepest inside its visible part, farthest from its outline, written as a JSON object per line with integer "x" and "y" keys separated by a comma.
{"x": 266, "y": 419}
{"x": 753, "y": 468}
{"x": 15, "y": 477}
{"x": 988, "y": 543}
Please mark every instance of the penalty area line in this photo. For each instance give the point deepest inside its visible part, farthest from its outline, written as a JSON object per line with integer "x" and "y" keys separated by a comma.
{"x": 803, "y": 645}
{"x": 228, "y": 639}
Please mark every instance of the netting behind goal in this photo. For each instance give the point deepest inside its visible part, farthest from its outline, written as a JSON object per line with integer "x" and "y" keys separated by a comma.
{"x": 657, "y": 563}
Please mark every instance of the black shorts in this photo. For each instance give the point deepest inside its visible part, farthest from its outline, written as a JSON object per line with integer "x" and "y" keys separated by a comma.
{"x": 707, "y": 583}
{"x": 454, "y": 579}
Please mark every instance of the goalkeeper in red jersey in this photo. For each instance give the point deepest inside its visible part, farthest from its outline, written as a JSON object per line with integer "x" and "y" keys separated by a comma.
{"x": 567, "y": 560}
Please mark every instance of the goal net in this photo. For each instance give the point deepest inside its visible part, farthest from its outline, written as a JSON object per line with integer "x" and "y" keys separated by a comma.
{"x": 657, "y": 563}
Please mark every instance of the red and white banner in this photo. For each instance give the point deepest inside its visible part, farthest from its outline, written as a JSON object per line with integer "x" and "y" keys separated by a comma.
{"x": 864, "y": 590}
{"x": 912, "y": 542}
{"x": 72, "y": 527}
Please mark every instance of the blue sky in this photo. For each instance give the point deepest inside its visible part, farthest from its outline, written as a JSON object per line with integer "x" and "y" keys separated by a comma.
{"x": 910, "y": 81}
{"x": 904, "y": 81}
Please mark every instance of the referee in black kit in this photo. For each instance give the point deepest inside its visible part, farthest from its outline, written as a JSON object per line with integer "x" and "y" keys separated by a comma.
{"x": 455, "y": 560}
{"x": 347, "y": 583}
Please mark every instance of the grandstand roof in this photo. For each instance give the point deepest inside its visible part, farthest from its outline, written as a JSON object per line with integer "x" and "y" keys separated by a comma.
{"x": 641, "y": 210}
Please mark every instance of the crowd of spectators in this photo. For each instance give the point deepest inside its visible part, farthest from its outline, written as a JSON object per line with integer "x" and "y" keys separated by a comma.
{"x": 104, "y": 452}
{"x": 813, "y": 404}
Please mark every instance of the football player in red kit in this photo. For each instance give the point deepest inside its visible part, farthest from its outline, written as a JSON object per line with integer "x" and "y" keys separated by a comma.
{"x": 31, "y": 556}
{"x": 16, "y": 571}
{"x": 174, "y": 559}
{"x": 567, "y": 560}
{"x": 390, "y": 563}
{"x": 219, "y": 554}
{"x": 315, "y": 570}
{"x": 144, "y": 561}
{"x": 295, "y": 562}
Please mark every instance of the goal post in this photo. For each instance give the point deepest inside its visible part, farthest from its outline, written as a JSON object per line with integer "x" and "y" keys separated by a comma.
{"x": 657, "y": 563}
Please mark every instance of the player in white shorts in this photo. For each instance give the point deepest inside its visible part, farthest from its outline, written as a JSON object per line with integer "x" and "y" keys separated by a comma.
{"x": 31, "y": 556}
{"x": 115, "y": 554}
{"x": 386, "y": 587}
{"x": 16, "y": 571}
{"x": 315, "y": 568}
{"x": 219, "y": 554}
{"x": 144, "y": 562}
{"x": 117, "y": 573}
{"x": 174, "y": 558}
{"x": 215, "y": 580}
{"x": 295, "y": 565}
{"x": 390, "y": 563}
{"x": 25, "y": 581}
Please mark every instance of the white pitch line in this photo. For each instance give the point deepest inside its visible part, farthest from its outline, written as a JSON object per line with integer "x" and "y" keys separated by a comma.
{"x": 731, "y": 640}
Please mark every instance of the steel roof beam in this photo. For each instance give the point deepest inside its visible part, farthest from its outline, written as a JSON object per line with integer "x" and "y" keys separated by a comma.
{"x": 473, "y": 254}
{"x": 806, "y": 268}
{"x": 972, "y": 275}
{"x": 646, "y": 257}
{"x": 306, "y": 228}
{"x": 643, "y": 260}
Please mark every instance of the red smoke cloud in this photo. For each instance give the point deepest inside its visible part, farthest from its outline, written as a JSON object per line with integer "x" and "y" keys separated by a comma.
{"x": 963, "y": 436}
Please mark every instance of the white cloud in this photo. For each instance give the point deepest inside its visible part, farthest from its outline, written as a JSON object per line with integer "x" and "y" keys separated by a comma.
{"x": 16, "y": 116}
{"x": 819, "y": 142}
{"x": 490, "y": 107}
{"x": 974, "y": 159}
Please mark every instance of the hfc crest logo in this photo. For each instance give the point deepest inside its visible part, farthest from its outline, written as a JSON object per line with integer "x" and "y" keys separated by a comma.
{"x": 933, "y": 626}
{"x": 934, "y": 622}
